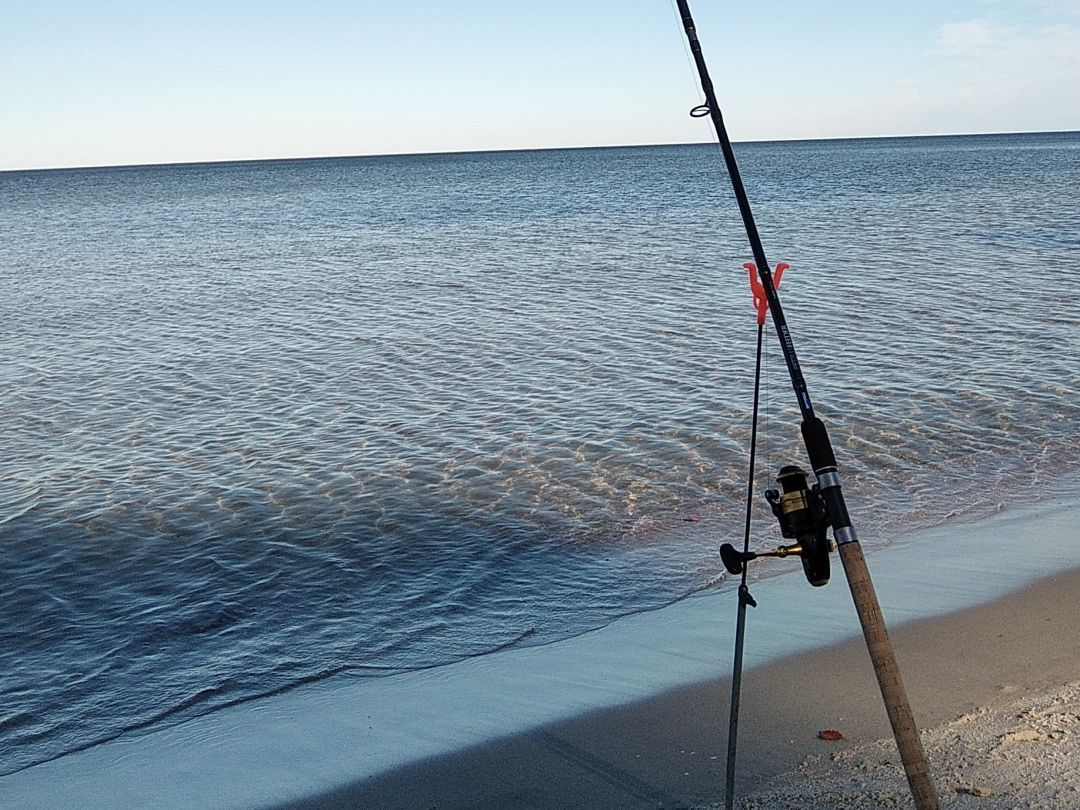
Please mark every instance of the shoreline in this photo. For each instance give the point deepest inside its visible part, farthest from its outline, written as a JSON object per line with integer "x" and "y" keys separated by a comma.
{"x": 630, "y": 715}
{"x": 669, "y": 751}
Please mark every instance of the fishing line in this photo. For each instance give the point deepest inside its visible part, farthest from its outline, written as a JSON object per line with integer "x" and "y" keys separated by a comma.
{"x": 690, "y": 69}
{"x": 702, "y": 110}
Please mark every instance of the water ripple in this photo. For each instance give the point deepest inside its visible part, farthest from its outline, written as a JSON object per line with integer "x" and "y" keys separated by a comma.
{"x": 267, "y": 423}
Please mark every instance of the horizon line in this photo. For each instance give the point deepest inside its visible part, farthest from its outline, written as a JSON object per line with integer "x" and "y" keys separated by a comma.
{"x": 436, "y": 153}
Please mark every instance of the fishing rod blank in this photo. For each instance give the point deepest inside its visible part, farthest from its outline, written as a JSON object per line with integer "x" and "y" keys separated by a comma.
{"x": 823, "y": 462}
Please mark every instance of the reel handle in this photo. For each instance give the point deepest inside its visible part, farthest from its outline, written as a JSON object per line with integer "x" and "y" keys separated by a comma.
{"x": 735, "y": 561}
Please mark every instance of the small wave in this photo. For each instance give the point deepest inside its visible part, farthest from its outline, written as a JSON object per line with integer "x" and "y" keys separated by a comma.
{"x": 22, "y": 505}
{"x": 514, "y": 642}
{"x": 16, "y": 720}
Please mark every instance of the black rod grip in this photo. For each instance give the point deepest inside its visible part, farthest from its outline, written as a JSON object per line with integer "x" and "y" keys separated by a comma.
{"x": 818, "y": 446}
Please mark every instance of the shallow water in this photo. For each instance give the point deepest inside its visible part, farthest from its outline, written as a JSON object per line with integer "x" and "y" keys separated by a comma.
{"x": 269, "y": 422}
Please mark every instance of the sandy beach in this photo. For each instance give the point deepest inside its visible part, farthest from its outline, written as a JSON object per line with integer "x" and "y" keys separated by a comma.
{"x": 994, "y": 689}
{"x": 1015, "y": 665}
{"x": 1023, "y": 752}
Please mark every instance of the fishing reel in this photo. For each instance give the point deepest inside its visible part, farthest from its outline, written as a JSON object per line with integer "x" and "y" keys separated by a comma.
{"x": 801, "y": 512}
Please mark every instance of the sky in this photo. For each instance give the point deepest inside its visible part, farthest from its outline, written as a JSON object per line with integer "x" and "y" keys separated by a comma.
{"x": 115, "y": 82}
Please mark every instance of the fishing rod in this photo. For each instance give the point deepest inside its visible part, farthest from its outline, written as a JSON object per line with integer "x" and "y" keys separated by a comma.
{"x": 830, "y": 497}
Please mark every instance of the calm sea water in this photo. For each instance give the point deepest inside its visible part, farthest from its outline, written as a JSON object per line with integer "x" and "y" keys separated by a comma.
{"x": 266, "y": 423}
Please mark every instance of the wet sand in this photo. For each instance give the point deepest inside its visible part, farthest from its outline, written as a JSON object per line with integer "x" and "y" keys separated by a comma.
{"x": 669, "y": 751}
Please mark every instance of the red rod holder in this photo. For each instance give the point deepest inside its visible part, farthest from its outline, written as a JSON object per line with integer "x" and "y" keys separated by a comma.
{"x": 761, "y": 304}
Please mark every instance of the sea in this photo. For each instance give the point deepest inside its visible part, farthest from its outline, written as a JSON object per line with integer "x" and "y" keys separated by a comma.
{"x": 276, "y": 422}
